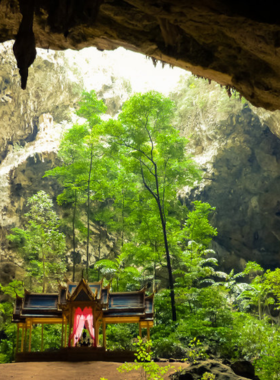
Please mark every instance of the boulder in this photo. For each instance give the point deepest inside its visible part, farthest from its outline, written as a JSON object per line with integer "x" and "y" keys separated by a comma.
{"x": 221, "y": 371}
{"x": 243, "y": 368}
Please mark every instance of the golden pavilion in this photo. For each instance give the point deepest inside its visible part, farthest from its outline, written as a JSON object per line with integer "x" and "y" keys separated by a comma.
{"x": 78, "y": 306}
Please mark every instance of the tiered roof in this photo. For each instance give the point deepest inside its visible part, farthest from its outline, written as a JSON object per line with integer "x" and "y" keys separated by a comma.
{"x": 124, "y": 304}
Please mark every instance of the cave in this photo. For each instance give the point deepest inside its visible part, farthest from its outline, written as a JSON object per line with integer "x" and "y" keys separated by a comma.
{"x": 226, "y": 103}
{"x": 234, "y": 43}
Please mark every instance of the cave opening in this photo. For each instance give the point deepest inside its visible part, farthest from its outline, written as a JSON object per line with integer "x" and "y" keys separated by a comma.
{"x": 235, "y": 144}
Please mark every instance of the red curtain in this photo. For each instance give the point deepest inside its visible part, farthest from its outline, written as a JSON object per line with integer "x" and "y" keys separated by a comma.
{"x": 82, "y": 319}
{"x": 89, "y": 324}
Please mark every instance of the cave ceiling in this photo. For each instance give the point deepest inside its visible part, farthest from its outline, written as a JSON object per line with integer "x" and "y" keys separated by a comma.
{"x": 236, "y": 43}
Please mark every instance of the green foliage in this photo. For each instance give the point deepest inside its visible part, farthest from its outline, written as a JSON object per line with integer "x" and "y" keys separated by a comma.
{"x": 13, "y": 289}
{"x": 272, "y": 282}
{"x": 252, "y": 268}
{"x": 196, "y": 351}
{"x": 41, "y": 243}
{"x": 204, "y": 314}
{"x": 8, "y": 331}
{"x": 258, "y": 340}
{"x": 148, "y": 370}
{"x": 143, "y": 142}
{"x": 52, "y": 333}
{"x": 140, "y": 162}
{"x": 90, "y": 108}
{"x": 83, "y": 173}
{"x": 7, "y": 344}
{"x": 117, "y": 272}
{"x": 197, "y": 227}
{"x": 263, "y": 290}
{"x": 195, "y": 266}
{"x": 121, "y": 336}
{"x": 208, "y": 376}
{"x": 52, "y": 337}
{"x": 200, "y": 104}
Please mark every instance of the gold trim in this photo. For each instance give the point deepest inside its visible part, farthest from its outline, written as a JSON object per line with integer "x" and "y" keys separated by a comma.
{"x": 121, "y": 319}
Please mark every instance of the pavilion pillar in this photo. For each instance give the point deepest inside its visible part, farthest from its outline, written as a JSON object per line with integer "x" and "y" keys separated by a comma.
{"x": 104, "y": 333}
{"x": 22, "y": 338}
{"x": 30, "y": 337}
{"x": 62, "y": 328}
{"x": 65, "y": 333}
{"x": 72, "y": 325}
{"x": 69, "y": 329}
{"x": 140, "y": 330}
{"x": 97, "y": 333}
{"x": 148, "y": 335}
{"x": 94, "y": 327}
{"x": 25, "y": 333}
{"x": 42, "y": 337}
{"x": 17, "y": 338}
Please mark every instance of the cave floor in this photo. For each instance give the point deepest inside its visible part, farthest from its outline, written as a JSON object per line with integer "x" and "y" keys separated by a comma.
{"x": 72, "y": 371}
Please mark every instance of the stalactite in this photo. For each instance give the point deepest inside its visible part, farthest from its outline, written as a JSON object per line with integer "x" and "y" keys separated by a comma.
{"x": 24, "y": 46}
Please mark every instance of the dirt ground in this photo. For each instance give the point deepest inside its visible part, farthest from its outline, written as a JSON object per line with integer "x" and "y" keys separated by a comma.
{"x": 71, "y": 371}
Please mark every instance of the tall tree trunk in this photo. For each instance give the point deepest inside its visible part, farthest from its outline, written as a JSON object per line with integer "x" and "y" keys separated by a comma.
{"x": 163, "y": 224}
{"x": 170, "y": 277}
{"x": 44, "y": 272}
{"x": 122, "y": 216}
{"x": 155, "y": 268}
{"x": 89, "y": 175}
{"x": 99, "y": 250}
{"x": 154, "y": 277}
{"x": 74, "y": 236}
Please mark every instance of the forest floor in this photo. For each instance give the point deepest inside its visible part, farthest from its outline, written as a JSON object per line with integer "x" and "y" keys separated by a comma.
{"x": 72, "y": 371}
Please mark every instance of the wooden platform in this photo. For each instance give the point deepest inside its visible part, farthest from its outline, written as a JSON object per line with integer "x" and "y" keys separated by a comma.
{"x": 76, "y": 354}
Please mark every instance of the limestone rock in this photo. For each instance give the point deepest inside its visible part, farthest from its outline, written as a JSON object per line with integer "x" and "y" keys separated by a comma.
{"x": 243, "y": 368}
{"x": 48, "y": 92}
{"x": 234, "y": 43}
{"x": 221, "y": 372}
{"x": 242, "y": 180}
{"x": 9, "y": 271}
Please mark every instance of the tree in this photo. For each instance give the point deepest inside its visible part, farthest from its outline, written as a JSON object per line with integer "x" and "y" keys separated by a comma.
{"x": 197, "y": 227}
{"x": 146, "y": 246}
{"x": 70, "y": 176}
{"x": 193, "y": 266}
{"x": 261, "y": 289}
{"x": 41, "y": 242}
{"x": 8, "y": 330}
{"x": 145, "y": 143}
{"x": 80, "y": 155}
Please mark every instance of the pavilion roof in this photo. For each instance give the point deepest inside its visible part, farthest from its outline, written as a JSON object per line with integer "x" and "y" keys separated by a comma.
{"x": 113, "y": 304}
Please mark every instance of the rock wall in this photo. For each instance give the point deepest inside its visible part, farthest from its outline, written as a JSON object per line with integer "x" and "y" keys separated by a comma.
{"x": 244, "y": 186}
{"x": 49, "y": 91}
{"x": 240, "y": 157}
